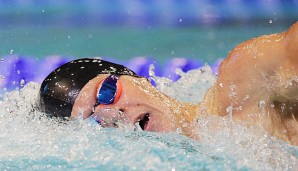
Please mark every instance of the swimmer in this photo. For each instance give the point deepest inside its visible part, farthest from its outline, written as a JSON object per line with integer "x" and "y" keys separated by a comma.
{"x": 257, "y": 82}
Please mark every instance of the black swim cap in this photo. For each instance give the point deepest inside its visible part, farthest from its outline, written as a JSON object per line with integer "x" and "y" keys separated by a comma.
{"x": 60, "y": 88}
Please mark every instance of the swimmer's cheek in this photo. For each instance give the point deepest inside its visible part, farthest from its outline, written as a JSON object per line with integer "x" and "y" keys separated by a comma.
{"x": 162, "y": 125}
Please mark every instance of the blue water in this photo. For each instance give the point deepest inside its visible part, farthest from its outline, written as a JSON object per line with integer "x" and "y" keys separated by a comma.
{"x": 202, "y": 43}
{"x": 111, "y": 149}
{"x": 31, "y": 141}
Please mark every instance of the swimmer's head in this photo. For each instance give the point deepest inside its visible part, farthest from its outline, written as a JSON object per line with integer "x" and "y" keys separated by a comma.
{"x": 60, "y": 88}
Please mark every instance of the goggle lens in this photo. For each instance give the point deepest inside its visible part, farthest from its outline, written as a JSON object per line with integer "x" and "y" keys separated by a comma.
{"x": 108, "y": 91}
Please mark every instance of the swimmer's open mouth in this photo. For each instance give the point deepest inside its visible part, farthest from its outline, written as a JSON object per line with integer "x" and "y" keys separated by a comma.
{"x": 144, "y": 120}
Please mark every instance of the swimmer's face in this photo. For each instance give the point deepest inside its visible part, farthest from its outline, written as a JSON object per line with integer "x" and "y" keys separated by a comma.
{"x": 139, "y": 101}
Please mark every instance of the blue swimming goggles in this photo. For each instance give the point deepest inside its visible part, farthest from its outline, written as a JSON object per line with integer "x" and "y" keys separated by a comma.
{"x": 108, "y": 92}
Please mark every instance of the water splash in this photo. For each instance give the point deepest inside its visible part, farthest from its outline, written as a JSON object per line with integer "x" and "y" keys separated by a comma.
{"x": 191, "y": 87}
{"x": 31, "y": 141}
{"x": 252, "y": 147}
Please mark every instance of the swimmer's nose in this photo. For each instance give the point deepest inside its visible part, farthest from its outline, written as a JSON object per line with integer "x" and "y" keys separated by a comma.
{"x": 134, "y": 115}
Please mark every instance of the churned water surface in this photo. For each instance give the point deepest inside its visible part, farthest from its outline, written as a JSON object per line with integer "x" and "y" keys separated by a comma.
{"x": 31, "y": 141}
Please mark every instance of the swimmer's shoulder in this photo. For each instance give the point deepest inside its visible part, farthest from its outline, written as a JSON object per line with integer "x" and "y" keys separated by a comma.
{"x": 256, "y": 49}
{"x": 292, "y": 42}
{"x": 281, "y": 45}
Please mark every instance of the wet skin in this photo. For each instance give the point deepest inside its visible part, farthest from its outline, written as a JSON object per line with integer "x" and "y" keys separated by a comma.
{"x": 139, "y": 100}
{"x": 258, "y": 82}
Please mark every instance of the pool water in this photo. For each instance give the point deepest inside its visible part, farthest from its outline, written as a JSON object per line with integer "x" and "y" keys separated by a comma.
{"x": 205, "y": 43}
{"x": 205, "y": 32}
{"x": 31, "y": 141}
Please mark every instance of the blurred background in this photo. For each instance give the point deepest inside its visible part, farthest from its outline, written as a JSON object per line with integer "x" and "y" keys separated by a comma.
{"x": 168, "y": 33}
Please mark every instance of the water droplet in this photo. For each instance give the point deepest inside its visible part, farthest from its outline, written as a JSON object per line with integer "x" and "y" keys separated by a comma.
{"x": 18, "y": 72}
{"x": 262, "y": 104}
{"x": 184, "y": 124}
{"x": 11, "y": 51}
{"x": 270, "y": 21}
{"x": 178, "y": 130}
{"x": 232, "y": 87}
{"x": 2, "y": 60}
{"x": 239, "y": 108}
{"x": 68, "y": 37}
{"x": 22, "y": 82}
{"x": 42, "y": 10}
{"x": 246, "y": 97}
{"x": 180, "y": 20}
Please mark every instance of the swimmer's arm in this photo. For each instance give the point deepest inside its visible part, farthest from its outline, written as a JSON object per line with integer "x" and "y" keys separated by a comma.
{"x": 285, "y": 104}
{"x": 288, "y": 72}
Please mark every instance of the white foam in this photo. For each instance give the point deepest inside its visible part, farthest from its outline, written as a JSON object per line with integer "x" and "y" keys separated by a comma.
{"x": 251, "y": 147}
{"x": 28, "y": 138}
{"x": 191, "y": 87}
